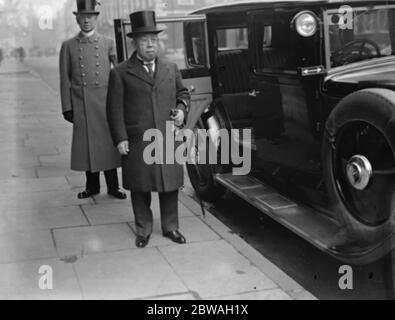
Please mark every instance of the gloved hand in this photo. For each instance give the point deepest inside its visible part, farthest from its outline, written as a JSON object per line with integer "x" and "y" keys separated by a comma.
{"x": 123, "y": 148}
{"x": 68, "y": 116}
{"x": 178, "y": 117}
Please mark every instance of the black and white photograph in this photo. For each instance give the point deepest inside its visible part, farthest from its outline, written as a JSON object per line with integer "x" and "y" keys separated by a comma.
{"x": 217, "y": 152}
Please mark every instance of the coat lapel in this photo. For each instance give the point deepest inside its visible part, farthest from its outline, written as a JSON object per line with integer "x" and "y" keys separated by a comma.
{"x": 136, "y": 69}
{"x": 162, "y": 70}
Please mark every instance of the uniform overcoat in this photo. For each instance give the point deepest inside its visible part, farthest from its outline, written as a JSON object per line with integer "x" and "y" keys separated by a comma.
{"x": 85, "y": 66}
{"x": 137, "y": 102}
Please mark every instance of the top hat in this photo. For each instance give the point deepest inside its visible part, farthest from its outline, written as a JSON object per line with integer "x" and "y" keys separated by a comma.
{"x": 143, "y": 22}
{"x": 87, "y": 6}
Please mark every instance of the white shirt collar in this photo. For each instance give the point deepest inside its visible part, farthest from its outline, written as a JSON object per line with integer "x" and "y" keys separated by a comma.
{"x": 153, "y": 62}
{"x": 88, "y": 34}
{"x": 146, "y": 62}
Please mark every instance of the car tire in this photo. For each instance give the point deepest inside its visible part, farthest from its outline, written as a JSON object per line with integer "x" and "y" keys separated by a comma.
{"x": 362, "y": 127}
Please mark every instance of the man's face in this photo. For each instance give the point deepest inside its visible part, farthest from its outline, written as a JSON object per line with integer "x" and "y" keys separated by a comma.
{"x": 87, "y": 21}
{"x": 147, "y": 46}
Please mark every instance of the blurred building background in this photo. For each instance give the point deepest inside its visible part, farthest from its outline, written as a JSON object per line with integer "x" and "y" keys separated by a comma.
{"x": 40, "y": 26}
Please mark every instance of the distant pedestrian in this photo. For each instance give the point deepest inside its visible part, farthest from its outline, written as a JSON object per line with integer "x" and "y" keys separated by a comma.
{"x": 85, "y": 64}
{"x": 22, "y": 54}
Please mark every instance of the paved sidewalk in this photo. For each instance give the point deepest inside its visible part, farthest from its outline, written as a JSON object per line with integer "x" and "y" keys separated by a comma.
{"x": 12, "y": 66}
{"x": 89, "y": 244}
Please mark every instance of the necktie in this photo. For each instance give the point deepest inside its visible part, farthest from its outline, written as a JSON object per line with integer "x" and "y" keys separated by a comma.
{"x": 150, "y": 67}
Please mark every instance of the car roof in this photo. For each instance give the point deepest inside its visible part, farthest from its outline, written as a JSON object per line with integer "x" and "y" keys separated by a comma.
{"x": 254, "y": 4}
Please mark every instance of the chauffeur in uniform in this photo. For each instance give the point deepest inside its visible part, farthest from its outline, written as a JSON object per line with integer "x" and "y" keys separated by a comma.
{"x": 142, "y": 93}
{"x": 85, "y": 64}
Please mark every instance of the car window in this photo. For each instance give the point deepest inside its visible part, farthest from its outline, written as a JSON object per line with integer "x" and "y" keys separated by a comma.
{"x": 195, "y": 44}
{"x": 232, "y": 38}
{"x": 368, "y": 34}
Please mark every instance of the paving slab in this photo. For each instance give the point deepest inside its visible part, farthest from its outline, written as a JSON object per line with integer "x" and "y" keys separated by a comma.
{"x": 39, "y": 200}
{"x": 80, "y": 241}
{"x": 7, "y": 172}
{"x": 183, "y": 211}
{"x": 11, "y": 159}
{"x": 45, "y": 218}
{"x": 55, "y": 170}
{"x": 76, "y": 180}
{"x": 215, "y": 268}
{"x": 20, "y": 281}
{"x": 129, "y": 274}
{"x": 109, "y": 213}
{"x": 17, "y": 141}
{"x": 17, "y": 186}
{"x": 26, "y": 245}
{"x": 59, "y": 160}
{"x": 34, "y": 142}
{"x": 30, "y": 151}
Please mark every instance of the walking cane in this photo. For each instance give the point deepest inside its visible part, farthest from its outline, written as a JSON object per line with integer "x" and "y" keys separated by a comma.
{"x": 173, "y": 113}
{"x": 199, "y": 178}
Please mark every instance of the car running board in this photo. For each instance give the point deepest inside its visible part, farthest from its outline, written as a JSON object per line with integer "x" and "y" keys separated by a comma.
{"x": 322, "y": 231}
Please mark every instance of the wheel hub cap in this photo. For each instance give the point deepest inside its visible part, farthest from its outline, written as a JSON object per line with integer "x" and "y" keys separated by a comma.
{"x": 359, "y": 172}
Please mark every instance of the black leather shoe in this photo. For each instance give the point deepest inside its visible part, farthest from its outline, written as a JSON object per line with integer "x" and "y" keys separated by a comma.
{"x": 141, "y": 241}
{"x": 175, "y": 236}
{"x": 117, "y": 194}
{"x": 87, "y": 193}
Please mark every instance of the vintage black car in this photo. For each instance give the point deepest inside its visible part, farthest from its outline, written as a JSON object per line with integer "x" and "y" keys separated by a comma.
{"x": 314, "y": 81}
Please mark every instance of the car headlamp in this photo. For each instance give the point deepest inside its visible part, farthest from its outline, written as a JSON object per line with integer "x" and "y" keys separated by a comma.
{"x": 305, "y": 23}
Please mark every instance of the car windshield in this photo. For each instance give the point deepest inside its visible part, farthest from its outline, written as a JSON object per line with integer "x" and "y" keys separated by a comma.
{"x": 357, "y": 34}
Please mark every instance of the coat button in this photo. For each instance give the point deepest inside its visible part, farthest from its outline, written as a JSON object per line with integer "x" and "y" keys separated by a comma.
{"x": 84, "y": 75}
{"x": 81, "y": 57}
{"x": 97, "y": 47}
{"x": 82, "y": 66}
{"x": 97, "y": 64}
{"x": 97, "y": 83}
{"x": 97, "y": 55}
{"x": 85, "y": 84}
{"x": 97, "y": 73}
{"x": 81, "y": 49}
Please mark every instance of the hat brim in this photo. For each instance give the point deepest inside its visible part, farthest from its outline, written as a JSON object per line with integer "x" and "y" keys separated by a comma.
{"x": 134, "y": 33}
{"x": 87, "y": 12}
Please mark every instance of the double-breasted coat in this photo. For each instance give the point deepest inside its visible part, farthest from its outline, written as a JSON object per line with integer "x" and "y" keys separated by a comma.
{"x": 85, "y": 64}
{"x": 136, "y": 103}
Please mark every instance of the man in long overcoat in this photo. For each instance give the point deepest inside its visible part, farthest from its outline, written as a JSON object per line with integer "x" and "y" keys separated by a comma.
{"x": 142, "y": 93}
{"x": 85, "y": 63}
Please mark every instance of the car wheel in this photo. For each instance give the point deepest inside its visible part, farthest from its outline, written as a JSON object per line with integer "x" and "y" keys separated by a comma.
{"x": 359, "y": 164}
